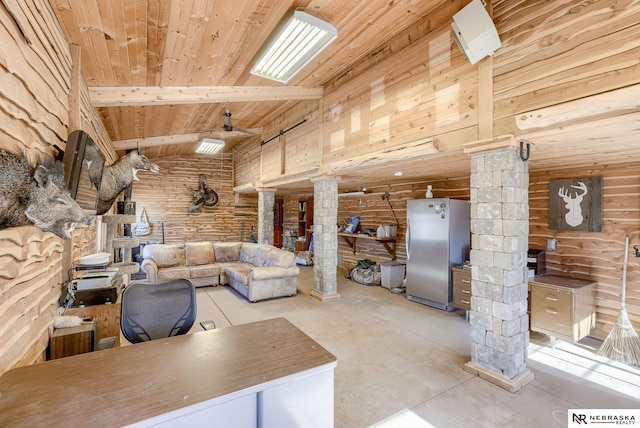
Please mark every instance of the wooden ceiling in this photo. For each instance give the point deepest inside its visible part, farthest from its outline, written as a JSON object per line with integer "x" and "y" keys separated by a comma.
{"x": 141, "y": 45}
{"x": 165, "y": 72}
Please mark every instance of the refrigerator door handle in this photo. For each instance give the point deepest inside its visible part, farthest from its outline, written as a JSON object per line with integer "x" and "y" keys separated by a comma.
{"x": 407, "y": 239}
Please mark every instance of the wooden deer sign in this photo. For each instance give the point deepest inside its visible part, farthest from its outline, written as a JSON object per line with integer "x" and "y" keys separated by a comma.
{"x": 576, "y": 204}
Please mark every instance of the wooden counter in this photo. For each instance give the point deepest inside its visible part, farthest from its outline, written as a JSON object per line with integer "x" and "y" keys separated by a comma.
{"x": 243, "y": 375}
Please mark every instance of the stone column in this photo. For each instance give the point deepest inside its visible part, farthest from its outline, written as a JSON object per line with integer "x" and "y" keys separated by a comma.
{"x": 325, "y": 238}
{"x": 266, "y": 199}
{"x": 499, "y": 244}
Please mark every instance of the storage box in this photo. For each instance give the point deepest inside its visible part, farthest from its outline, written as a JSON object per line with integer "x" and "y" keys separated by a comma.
{"x": 392, "y": 274}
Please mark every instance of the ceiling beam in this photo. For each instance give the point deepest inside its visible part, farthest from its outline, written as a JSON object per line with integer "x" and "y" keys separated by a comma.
{"x": 117, "y": 96}
{"x": 178, "y": 139}
{"x": 391, "y": 155}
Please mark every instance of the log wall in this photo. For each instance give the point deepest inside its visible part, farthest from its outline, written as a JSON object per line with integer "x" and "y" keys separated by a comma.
{"x": 166, "y": 198}
{"x": 375, "y": 211}
{"x": 591, "y": 255}
{"x": 595, "y": 255}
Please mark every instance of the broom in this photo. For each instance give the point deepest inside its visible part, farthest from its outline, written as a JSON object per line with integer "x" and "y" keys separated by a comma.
{"x": 622, "y": 343}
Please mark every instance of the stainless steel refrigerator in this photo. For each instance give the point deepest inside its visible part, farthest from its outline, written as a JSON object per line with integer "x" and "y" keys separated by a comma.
{"x": 438, "y": 237}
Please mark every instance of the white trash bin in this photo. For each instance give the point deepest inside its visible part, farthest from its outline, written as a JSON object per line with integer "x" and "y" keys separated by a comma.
{"x": 392, "y": 274}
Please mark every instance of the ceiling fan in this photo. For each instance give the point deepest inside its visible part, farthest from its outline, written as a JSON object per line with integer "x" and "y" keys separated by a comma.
{"x": 227, "y": 125}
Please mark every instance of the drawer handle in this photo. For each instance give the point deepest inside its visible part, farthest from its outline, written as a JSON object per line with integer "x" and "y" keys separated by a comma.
{"x": 465, "y": 302}
{"x": 553, "y": 299}
{"x": 551, "y": 311}
{"x": 465, "y": 291}
{"x": 466, "y": 281}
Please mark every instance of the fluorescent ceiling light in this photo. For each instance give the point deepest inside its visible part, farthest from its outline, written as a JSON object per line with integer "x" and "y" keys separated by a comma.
{"x": 299, "y": 41}
{"x": 210, "y": 146}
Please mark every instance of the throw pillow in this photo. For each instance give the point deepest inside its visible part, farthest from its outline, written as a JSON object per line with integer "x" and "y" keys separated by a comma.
{"x": 199, "y": 253}
{"x": 165, "y": 255}
{"x": 227, "y": 252}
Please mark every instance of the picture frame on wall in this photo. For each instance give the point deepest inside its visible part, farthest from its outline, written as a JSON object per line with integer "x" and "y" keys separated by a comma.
{"x": 576, "y": 204}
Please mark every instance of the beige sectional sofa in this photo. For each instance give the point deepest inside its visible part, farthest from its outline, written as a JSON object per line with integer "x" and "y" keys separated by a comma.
{"x": 257, "y": 271}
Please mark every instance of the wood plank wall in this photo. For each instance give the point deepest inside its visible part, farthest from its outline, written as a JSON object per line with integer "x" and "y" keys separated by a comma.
{"x": 35, "y": 82}
{"x": 425, "y": 90}
{"x": 374, "y": 211}
{"x": 166, "y": 198}
{"x": 29, "y": 291}
{"x": 296, "y": 151}
{"x": 595, "y": 255}
{"x": 35, "y": 77}
{"x": 557, "y": 51}
{"x": 246, "y": 156}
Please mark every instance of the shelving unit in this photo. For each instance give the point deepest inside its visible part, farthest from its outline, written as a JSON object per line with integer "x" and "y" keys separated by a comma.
{"x": 127, "y": 267}
{"x": 388, "y": 243}
{"x": 305, "y": 222}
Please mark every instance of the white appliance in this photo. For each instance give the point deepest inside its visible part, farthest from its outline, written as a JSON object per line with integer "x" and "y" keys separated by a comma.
{"x": 438, "y": 238}
{"x": 474, "y": 31}
{"x": 93, "y": 280}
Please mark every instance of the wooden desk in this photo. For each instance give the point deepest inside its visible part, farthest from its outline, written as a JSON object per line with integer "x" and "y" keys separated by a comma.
{"x": 267, "y": 373}
{"x": 351, "y": 239}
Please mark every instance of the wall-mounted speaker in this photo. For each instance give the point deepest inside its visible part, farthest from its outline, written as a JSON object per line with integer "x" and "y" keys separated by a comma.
{"x": 474, "y": 31}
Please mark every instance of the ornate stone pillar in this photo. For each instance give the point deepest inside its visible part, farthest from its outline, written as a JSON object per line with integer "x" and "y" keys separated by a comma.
{"x": 325, "y": 238}
{"x": 499, "y": 276}
{"x": 266, "y": 199}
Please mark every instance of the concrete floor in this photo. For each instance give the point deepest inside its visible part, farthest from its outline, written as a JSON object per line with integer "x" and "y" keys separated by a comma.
{"x": 400, "y": 363}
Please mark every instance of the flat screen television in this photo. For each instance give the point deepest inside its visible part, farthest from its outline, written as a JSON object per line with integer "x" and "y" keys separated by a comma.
{"x": 83, "y": 163}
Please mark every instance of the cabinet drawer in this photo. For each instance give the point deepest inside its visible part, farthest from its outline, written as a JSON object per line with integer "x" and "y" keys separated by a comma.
{"x": 462, "y": 301}
{"x": 462, "y": 282}
{"x": 462, "y": 290}
{"x": 551, "y": 310}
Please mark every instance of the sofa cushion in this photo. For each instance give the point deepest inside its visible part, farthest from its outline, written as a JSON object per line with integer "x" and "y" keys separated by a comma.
{"x": 255, "y": 254}
{"x": 199, "y": 253}
{"x": 166, "y": 274}
{"x": 278, "y": 257}
{"x": 226, "y": 252}
{"x": 205, "y": 270}
{"x": 165, "y": 255}
{"x": 239, "y": 274}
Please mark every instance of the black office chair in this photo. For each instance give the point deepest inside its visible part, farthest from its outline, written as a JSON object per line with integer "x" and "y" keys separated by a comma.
{"x": 157, "y": 310}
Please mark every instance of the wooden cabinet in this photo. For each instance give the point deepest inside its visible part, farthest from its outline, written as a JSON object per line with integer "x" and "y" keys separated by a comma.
{"x": 108, "y": 317}
{"x": 73, "y": 340}
{"x": 305, "y": 221}
{"x": 462, "y": 288}
{"x": 562, "y": 306}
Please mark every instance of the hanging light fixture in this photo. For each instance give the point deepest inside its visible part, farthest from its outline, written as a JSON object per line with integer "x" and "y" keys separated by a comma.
{"x": 210, "y": 146}
{"x": 298, "y": 41}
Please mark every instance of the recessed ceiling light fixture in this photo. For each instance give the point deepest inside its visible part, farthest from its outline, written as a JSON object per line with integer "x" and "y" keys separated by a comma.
{"x": 210, "y": 146}
{"x": 298, "y": 41}
{"x": 398, "y": 173}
